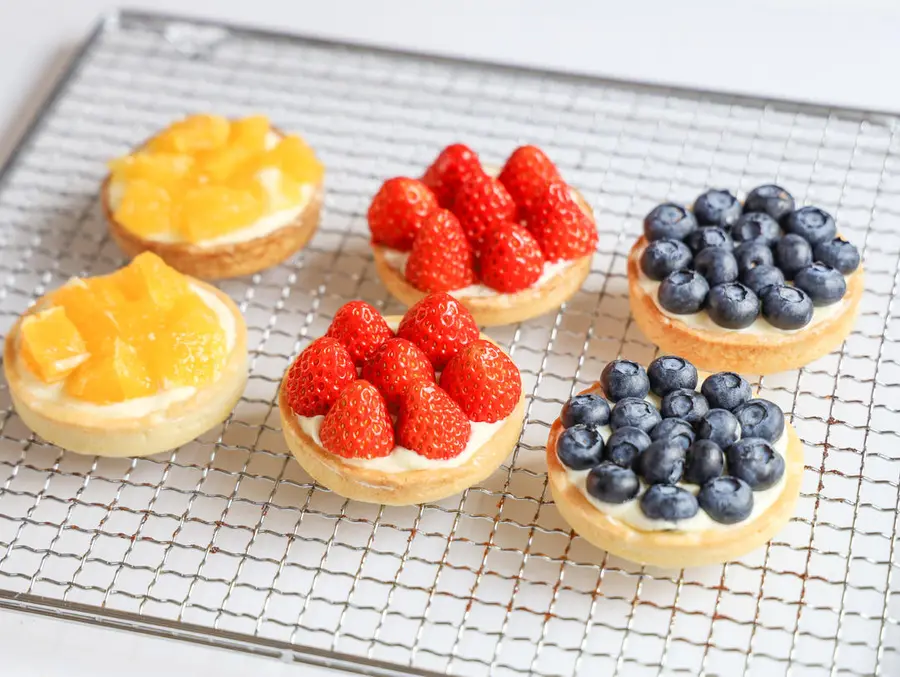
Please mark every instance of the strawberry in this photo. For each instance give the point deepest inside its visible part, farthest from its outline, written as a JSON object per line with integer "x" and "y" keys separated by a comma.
{"x": 441, "y": 257}
{"x": 397, "y": 212}
{"x": 430, "y": 423}
{"x": 318, "y": 376}
{"x": 561, "y": 227}
{"x": 393, "y": 366}
{"x": 510, "y": 259}
{"x": 483, "y": 381}
{"x": 440, "y": 326}
{"x": 449, "y": 170}
{"x": 482, "y": 203}
{"x": 525, "y": 176}
{"x": 360, "y": 329}
{"x": 358, "y": 425}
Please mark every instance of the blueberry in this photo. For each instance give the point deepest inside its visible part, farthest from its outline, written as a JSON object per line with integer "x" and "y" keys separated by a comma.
{"x": 839, "y": 254}
{"x": 732, "y": 305}
{"x": 755, "y": 461}
{"x": 771, "y": 199}
{"x": 708, "y": 236}
{"x": 662, "y": 257}
{"x": 726, "y": 390}
{"x": 668, "y": 221}
{"x": 662, "y": 462}
{"x": 751, "y": 255}
{"x": 634, "y": 413}
{"x": 756, "y": 227}
{"x": 611, "y": 483}
{"x": 624, "y": 445}
{"x": 587, "y": 408}
{"x": 704, "y": 461}
{"x": 580, "y": 447}
{"x": 719, "y": 426}
{"x": 792, "y": 253}
{"x": 665, "y": 502}
{"x": 727, "y": 500}
{"x": 760, "y": 418}
{"x": 624, "y": 378}
{"x": 668, "y": 373}
{"x": 812, "y": 224}
{"x": 757, "y": 279}
{"x": 717, "y": 208}
{"x": 786, "y": 307}
{"x": 683, "y": 403}
{"x": 675, "y": 430}
{"x": 717, "y": 265}
{"x": 822, "y": 283}
{"x": 683, "y": 292}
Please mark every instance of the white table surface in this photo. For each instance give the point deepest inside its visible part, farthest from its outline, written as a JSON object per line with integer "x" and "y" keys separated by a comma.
{"x": 829, "y": 51}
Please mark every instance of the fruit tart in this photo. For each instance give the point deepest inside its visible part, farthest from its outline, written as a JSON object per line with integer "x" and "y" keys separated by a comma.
{"x": 402, "y": 410}
{"x": 759, "y": 288}
{"x": 651, "y": 468}
{"x": 214, "y": 197}
{"x": 510, "y": 245}
{"x": 128, "y": 364}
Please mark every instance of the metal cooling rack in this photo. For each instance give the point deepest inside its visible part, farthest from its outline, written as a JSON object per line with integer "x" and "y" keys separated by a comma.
{"x": 227, "y": 542}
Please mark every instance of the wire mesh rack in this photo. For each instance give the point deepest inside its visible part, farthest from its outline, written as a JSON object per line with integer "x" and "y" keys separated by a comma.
{"x": 226, "y": 541}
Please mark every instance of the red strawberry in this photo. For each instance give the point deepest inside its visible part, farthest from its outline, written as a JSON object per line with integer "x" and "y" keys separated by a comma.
{"x": 395, "y": 365}
{"x": 318, "y": 376}
{"x": 561, "y": 227}
{"x": 483, "y": 381}
{"x": 430, "y": 423}
{"x": 441, "y": 257}
{"x": 525, "y": 175}
{"x": 482, "y": 203}
{"x": 447, "y": 172}
{"x": 440, "y": 326}
{"x": 360, "y": 329}
{"x": 397, "y": 212}
{"x": 510, "y": 259}
{"x": 358, "y": 425}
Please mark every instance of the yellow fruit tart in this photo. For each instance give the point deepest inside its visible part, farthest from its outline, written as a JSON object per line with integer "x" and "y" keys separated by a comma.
{"x": 216, "y": 198}
{"x": 128, "y": 364}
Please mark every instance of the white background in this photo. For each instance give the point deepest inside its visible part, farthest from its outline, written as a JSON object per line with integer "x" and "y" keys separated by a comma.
{"x": 839, "y": 52}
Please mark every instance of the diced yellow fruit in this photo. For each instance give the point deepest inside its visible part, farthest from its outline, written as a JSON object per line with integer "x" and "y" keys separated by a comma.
{"x": 51, "y": 345}
{"x": 195, "y": 348}
{"x": 296, "y": 159}
{"x": 145, "y": 209}
{"x": 148, "y": 278}
{"x": 210, "y": 211}
{"x": 194, "y": 133}
{"x": 115, "y": 376}
{"x": 161, "y": 169}
{"x": 90, "y": 311}
{"x": 215, "y": 166}
{"x": 250, "y": 133}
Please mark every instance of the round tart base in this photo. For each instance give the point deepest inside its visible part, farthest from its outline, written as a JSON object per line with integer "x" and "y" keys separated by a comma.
{"x": 96, "y": 435}
{"x": 739, "y": 351}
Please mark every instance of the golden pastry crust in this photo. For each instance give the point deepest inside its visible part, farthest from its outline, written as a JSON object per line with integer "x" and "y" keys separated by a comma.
{"x": 739, "y": 351}
{"x": 92, "y": 433}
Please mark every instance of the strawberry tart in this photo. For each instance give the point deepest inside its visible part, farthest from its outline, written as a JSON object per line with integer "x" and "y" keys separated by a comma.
{"x": 405, "y": 410}
{"x": 510, "y": 245}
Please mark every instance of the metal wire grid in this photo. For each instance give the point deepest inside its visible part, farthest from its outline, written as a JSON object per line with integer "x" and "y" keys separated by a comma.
{"x": 228, "y": 542}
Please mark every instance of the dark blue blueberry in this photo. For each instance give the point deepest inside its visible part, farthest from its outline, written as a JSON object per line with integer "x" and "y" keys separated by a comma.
{"x": 812, "y": 224}
{"x": 760, "y": 418}
{"x": 624, "y": 445}
{"x": 771, "y": 199}
{"x": 580, "y": 447}
{"x": 727, "y": 500}
{"x": 719, "y": 426}
{"x": 704, "y": 461}
{"x": 732, "y": 305}
{"x": 668, "y": 222}
{"x": 665, "y": 502}
{"x": 839, "y": 254}
{"x": 756, "y": 227}
{"x": 683, "y": 292}
{"x": 662, "y": 257}
{"x": 717, "y": 208}
{"x": 708, "y": 236}
{"x": 726, "y": 390}
{"x": 634, "y": 413}
{"x": 786, "y": 307}
{"x": 587, "y": 408}
{"x": 751, "y": 255}
{"x": 687, "y": 404}
{"x": 668, "y": 373}
{"x": 792, "y": 253}
{"x": 662, "y": 462}
{"x": 624, "y": 378}
{"x": 676, "y": 430}
{"x": 757, "y": 279}
{"x": 611, "y": 483}
{"x": 822, "y": 283}
{"x": 753, "y": 460}
{"x": 717, "y": 265}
